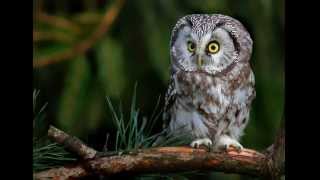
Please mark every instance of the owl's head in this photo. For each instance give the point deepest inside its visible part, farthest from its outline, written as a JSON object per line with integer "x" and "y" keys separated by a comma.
{"x": 209, "y": 43}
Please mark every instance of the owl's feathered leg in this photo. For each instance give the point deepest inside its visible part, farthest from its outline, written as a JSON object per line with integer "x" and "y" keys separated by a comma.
{"x": 204, "y": 141}
{"x": 225, "y": 141}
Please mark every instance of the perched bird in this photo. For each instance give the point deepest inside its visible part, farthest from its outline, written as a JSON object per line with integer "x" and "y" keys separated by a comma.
{"x": 212, "y": 84}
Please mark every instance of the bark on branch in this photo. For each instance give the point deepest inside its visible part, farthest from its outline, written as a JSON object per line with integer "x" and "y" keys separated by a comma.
{"x": 276, "y": 155}
{"x": 71, "y": 143}
{"x": 165, "y": 160}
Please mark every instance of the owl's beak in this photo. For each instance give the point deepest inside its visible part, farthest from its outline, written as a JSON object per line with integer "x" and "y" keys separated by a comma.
{"x": 199, "y": 61}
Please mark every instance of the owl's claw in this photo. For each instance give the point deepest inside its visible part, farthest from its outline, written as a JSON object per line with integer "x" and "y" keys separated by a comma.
{"x": 237, "y": 146}
{"x": 205, "y": 141}
{"x": 225, "y": 142}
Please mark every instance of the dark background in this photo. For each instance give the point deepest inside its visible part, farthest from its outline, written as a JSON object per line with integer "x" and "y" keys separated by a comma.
{"x": 136, "y": 49}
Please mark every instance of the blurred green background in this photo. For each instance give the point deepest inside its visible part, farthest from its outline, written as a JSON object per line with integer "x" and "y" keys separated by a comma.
{"x": 136, "y": 49}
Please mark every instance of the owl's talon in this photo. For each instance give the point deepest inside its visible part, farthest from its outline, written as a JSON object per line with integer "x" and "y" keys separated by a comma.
{"x": 225, "y": 142}
{"x": 238, "y": 147}
{"x": 205, "y": 141}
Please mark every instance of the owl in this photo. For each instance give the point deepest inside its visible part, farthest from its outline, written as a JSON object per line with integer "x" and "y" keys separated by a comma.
{"x": 211, "y": 84}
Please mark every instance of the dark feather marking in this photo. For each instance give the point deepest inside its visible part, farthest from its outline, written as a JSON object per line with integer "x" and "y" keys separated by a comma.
{"x": 244, "y": 120}
{"x": 237, "y": 113}
{"x": 189, "y": 22}
{"x": 170, "y": 98}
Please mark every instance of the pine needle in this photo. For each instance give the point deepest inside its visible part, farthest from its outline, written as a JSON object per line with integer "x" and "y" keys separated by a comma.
{"x": 45, "y": 155}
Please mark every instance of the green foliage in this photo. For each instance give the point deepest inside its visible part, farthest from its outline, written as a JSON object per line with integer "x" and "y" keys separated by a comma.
{"x": 75, "y": 96}
{"x": 157, "y": 46}
{"x": 133, "y": 134}
{"x": 49, "y": 155}
{"x": 111, "y": 66}
{"x": 38, "y": 120}
{"x": 45, "y": 154}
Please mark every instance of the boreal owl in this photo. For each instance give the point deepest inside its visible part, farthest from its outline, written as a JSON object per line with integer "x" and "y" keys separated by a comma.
{"x": 212, "y": 84}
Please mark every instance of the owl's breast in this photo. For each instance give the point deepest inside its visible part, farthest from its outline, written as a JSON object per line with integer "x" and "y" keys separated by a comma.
{"x": 193, "y": 82}
{"x": 202, "y": 92}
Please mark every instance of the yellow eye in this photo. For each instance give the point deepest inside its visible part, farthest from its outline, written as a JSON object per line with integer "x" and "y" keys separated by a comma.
{"x": 213, "y": 47}
{"x": 191, "y": 46}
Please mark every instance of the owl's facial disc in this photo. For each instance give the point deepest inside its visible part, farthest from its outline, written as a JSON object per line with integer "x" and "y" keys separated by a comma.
{"x": 218, "y": 49}
{"x": 212, "y": 52}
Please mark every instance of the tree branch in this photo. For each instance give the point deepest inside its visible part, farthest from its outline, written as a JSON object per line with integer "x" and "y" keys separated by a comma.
{"x": 164, "y": 160}
{"x": 160, "y": 160}
{"x": 53, "y": 36}
{"x": 71, "y": 143}
{"x": 82, "y": 47}
{"x": 57, "y": 22}
{"x": 276, "y": 155}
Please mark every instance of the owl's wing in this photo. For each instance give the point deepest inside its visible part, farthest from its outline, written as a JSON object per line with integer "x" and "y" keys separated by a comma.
{"x": 169, "y": 101}
{"x": 170, "y": 98}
